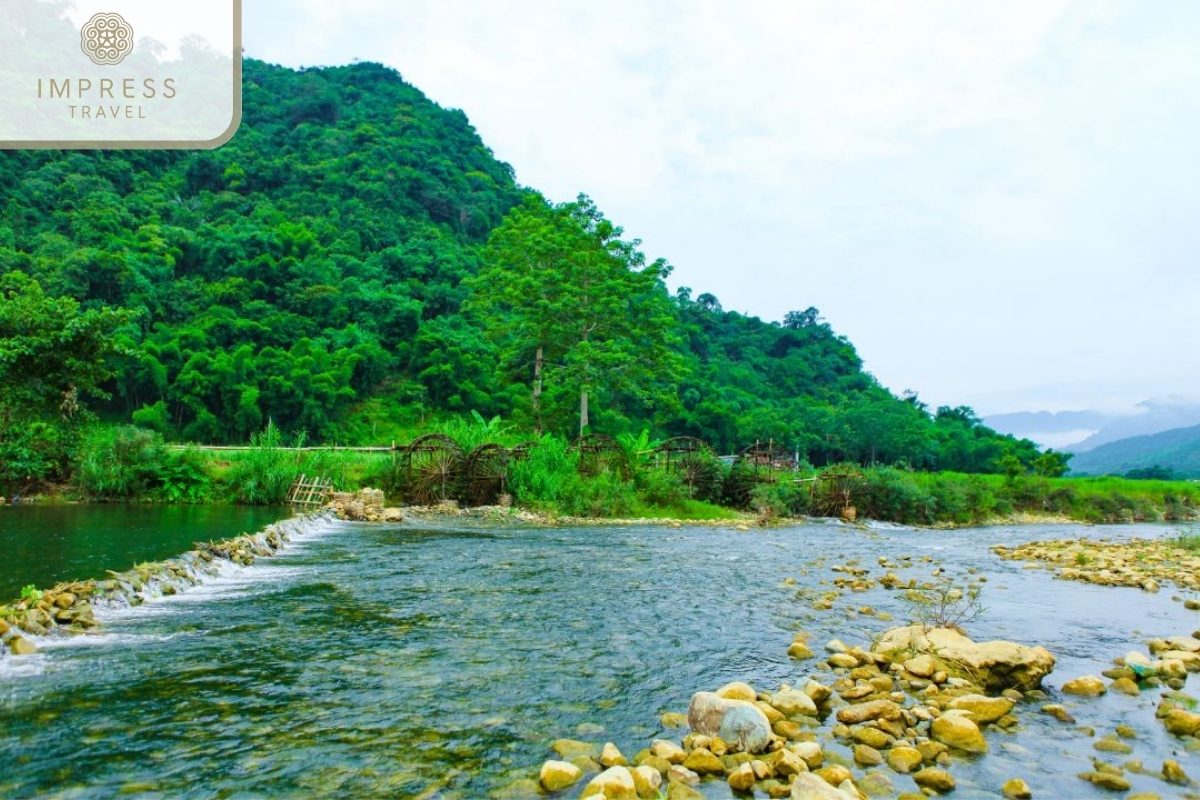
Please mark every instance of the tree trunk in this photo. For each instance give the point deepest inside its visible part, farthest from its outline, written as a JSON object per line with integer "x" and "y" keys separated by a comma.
{"x": 583, "y": 411}
{"x": 537, "y": 392}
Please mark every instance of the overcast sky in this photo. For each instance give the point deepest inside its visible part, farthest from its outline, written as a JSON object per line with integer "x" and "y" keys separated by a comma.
{"x": 998, "y": 203}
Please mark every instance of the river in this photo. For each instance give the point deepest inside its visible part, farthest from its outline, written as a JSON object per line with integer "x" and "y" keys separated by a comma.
{"x": 440, "y": 659}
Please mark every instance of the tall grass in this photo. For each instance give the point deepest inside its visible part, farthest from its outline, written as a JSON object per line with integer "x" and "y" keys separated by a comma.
{"x": 262, "y": 475}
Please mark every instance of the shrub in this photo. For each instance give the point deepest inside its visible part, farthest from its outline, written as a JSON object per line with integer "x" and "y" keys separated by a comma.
{"x": 943, "y": 604}
{"x": 604, "y": 494}
{"x": 780, "y": 499}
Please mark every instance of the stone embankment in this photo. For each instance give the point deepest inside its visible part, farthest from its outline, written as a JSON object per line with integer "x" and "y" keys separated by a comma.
{"x": 906, "y": 705}
{"x": 70, "y": 608}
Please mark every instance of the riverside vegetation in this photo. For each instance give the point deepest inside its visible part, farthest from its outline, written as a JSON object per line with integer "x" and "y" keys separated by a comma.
{"x": 124, "y": 463}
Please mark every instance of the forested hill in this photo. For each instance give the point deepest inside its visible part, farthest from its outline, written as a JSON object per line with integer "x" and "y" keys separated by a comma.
{"x": 311, "y": 272}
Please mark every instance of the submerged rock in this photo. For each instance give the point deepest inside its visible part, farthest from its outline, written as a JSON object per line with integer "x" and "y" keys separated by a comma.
{"x": 1016, "y": 789}
{"x": 20, "y": 646}
{"x": 808, "y": 786}
{"x": 1085, "y": 685}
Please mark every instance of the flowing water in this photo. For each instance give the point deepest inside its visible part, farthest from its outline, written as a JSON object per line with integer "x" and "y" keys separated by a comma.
{"x": 440, "y": 659}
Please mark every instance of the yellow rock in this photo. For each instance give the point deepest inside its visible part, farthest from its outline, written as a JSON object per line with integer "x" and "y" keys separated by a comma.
{"x": 610, "y": 756}
{"x": 937, "y": 779}
{"x": 1085, "y": 685}
{"x": 904, "y": 759}
{"x": 646, "y": 781}
{"x": 737, "y": 691}
{"x": 1016, "y": 789}
{"x": 558, "y": 775}
{"x": 615, "y": 783}
{"x": 958, "y": 732}
{"x": 703, "y": 762}
{"x": 742, "y": 778}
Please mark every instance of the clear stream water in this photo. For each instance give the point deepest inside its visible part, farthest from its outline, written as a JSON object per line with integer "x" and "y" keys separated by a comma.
{"x": 440, "y": 659}
{"x": 46, "y": 544}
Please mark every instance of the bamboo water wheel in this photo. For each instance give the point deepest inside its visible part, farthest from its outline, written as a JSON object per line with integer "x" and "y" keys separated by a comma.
{"x": 600, "y": 453}
{"x": 433, "y": 465}
{"x": 761, "y": 462}
{"x": 487, "y": 474}
{"x": 695, "y": 463}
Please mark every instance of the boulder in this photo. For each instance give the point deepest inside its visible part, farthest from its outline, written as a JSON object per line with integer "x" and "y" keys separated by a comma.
{"x": 737, "y": 721}
{"x": 996, "y": 665}
{"x": 558, "y": 775}
{"x": 982, "y": 710}
{"x": 1173, "y": 773}
{"x": 958, "y": 731}
{"x": 867, "y": 756}
{"x": 615, "y": 783}
{"x": 799, "y": 651}
{"x": 923, "y": 666}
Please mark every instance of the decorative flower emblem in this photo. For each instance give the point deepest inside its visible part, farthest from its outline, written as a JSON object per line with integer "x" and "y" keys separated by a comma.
{"x": 106, "y": 38}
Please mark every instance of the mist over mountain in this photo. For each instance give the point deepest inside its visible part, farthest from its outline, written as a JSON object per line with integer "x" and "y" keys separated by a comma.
{"x": 1177, "y": 451}
{"x": 1084, "y": 430}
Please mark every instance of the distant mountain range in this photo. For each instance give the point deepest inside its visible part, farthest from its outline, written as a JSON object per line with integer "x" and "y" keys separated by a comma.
{"x": 1177, "y": 450}
{"x": 1082, "y": 431}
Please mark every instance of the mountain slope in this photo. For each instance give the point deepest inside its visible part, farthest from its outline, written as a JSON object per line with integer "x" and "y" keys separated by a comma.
{"x": 1177, "y": 450}
{"x": 311, "y": 273}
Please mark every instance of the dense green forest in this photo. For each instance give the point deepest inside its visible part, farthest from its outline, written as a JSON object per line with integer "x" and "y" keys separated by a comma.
{"x": 356, "y": 264}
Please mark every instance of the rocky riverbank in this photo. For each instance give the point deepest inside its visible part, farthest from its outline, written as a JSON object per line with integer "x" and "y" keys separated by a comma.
{"x": 906, "y": 710}
{"x": 1142, "y": 563}
{"x": 902, "y": 708}
{"x": 69, "y": 609}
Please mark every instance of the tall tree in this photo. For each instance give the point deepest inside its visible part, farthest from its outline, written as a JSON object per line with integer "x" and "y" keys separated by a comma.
{"x": 52, "y": 357}
{"x": 561, "y": 290}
